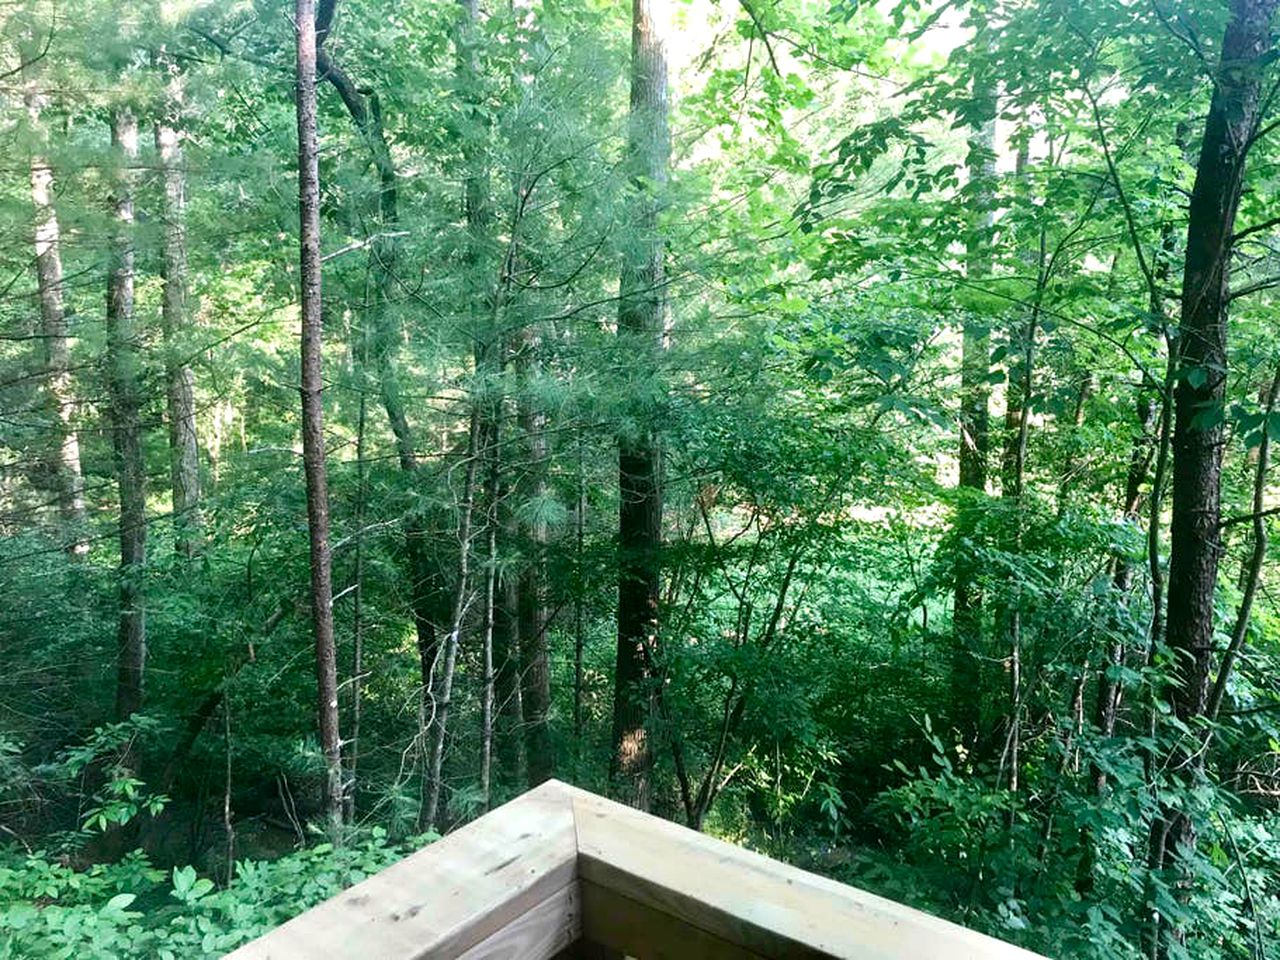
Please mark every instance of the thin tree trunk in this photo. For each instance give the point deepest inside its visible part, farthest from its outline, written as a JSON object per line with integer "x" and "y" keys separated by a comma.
{"x": 509, "y": 747}
{"x": 442, "y": 690}
{"x": 126, "y": 427}
{"x": 357, "y": 607}
{"x": 1147, "y": 445}
{"x": 68, "y": 477}
{"x": 487, "y": 352}
{"x": 184, "y": 444}
{"x": 1252, "y": 570}
{"x": 975, "y": 397}
{"x": 1108, "y": 702}
{"x": 641, "y": 318}
{"x": 313, "y": 444}
{"x": 425, "y": 604}
{"x": 493, "y": 504}
{"x": 535, "y": 668}
{"x": 579, "y": 604}
{"x": 1233, "y": 121}
{"x": 486, "y": 668}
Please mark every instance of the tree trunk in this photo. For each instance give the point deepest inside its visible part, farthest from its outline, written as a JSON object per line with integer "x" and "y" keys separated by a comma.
{"x": 1202, "y": 357}
{"x": 313, "y": 449}
{"x": 535, "y": 669}
{"x": 126, "y": 426}
{"x": 486, "y": 666}
{"x": 975, "y": 397}
{"x": 357, "y": 604}
{"x": 68, "y": 477}
{"x": 641, "y": 316}
{"x": 1108, "y": 701}
{"x": 509, "y": 710}
{"x": 184, "y": 445}
{"x": 579, "y": 602}
{"x": 1251, "y": 572}
{"x": 490, "y": 437}
{"x": 1233, "y": 121}
{"x": 442, "y": 689}
{"x": 425, "y": 603}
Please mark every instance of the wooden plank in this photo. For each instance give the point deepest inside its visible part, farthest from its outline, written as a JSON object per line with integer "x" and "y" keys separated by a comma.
{"x": 438, "y": 903}
{"x": 768, "y": 907}
{"x": 543, "y": 932}
{"x": 631, "y": 928}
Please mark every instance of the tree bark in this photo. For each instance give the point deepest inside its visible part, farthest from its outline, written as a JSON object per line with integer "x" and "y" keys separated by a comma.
{"x": 487, "y": 678}
{"x": 975, "y": 398}
{"x": 1202, "y": 357}
{"x": 535, "y": 669}
{"x": 176, "y": 316}
{"x": 1251, "y": 573}
{"x": 641, "y": 315}
{"x": 67, "y": 473}
{"x": 126, "y": 427}
{"x": 1232, "y": 123}
{"x": 313, "y": 444}
{"x": 509, "y": 709}
{"x": 442, "y": 689}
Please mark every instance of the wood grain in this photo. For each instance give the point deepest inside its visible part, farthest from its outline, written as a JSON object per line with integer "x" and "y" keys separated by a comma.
{"x": 764, "y": 906}
{"x": 552, "y": 926}
{"x": 560, "y": 872}
{"x": 445, "y": 899}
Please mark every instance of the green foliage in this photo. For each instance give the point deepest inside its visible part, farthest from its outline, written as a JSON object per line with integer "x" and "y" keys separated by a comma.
{"x": 131, "y": 909}
{"x": 854, "y": 188}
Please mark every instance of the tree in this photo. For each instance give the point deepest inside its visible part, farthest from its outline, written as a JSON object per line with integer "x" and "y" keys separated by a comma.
{"x": 975, "y": 398}
{"x": 67, "y": 473}
{"x": 176, "y": 318}
{"x": 124, "y": 386}
{"x": 641, "y": 318}
{"x": 1231, "y": 129}
{"x": 312, "y": 390}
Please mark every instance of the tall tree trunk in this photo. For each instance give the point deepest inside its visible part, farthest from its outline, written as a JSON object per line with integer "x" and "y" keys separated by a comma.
{"x": 490, "y": 438}
{"x": 425, "y": 603}
{"x": 68, "y": 477}
{"x": 313, "y": 448}
{"x": 975, "y": 397}
{"x": 509, "y": 710}
{"x": 184, "y": 444}
{"x": 579, "y": 602}
{"x": 1232, "y": 123}
{"x": 488, "y": 353}
{"x": 641, "y": 315}
{"x": 442, "y": 689}
{"x": 535, "y": 669}
{"x": 487, "y": 678}
{"x": 126, "y": 427}
{"x": 1251, "y": 570}
{"x": 357, "y": 601}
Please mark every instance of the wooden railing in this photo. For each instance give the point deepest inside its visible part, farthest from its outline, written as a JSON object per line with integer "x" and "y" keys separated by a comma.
{"x": 562, "y": 872}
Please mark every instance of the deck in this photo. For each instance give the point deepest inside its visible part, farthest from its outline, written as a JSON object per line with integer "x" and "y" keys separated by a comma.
{"x": 560, "y": 872}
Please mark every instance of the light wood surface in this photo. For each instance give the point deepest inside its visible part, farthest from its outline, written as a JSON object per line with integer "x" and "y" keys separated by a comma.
{"x": 552, "y": 926}
{"x": 560, "y": 866}
{"x": 757, "y": 903}
{"x": 444, "y": 899}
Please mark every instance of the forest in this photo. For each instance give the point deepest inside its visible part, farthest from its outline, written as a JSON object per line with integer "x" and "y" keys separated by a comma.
{"x": 842, "y": 427}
